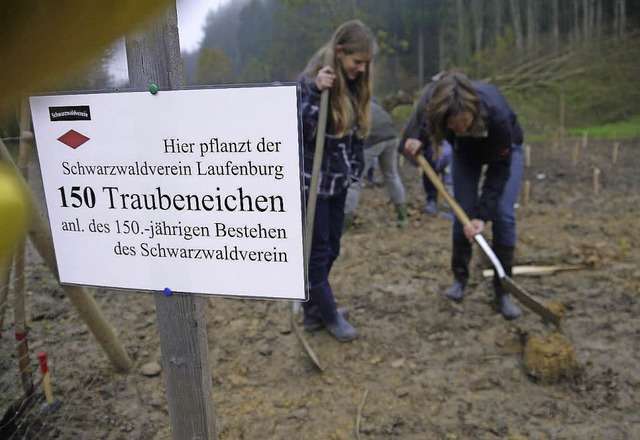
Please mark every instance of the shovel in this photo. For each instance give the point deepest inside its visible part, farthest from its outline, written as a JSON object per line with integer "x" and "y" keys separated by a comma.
{"x": 522, "y": 295}
{"x": 311, "y": 208}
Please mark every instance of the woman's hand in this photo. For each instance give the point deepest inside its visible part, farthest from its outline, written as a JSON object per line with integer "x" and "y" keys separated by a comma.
{"x": 412, "y": 146}
{"x": 476, "y": 227}
{"x": 325, "y": 78}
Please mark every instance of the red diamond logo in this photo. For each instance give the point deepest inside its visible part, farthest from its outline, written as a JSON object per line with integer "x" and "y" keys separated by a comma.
{"x": 73, "y": 139}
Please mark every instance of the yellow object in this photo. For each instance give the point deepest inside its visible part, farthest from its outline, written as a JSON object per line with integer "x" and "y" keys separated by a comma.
{"x": 46, "y": 383}
{"x": 550, "y": 359}
{"x": 14, "y": 211}
{"x": 40, "y": 41}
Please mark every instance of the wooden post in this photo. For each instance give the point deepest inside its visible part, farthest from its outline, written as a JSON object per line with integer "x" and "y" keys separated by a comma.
{"x": 596, "y": 180}
{"x": 554, "y": 146}
{"x": 585, "y": 139}
{"x": 19, "y": 308}
{"x": 526, "y": 188}
{"x": 574, "y": 154}
{"x": 527, "y": 156}
{"x": 40, "y": 235}
{"x": 614, "y": 152}
{"x": 5, "y": 280}
{"x": 561, "y": 121}
{"x": 153, "y": 57}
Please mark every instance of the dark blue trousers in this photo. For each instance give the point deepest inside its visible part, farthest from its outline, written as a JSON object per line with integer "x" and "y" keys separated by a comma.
{"x": 325, "y": 248}
{"x": 466, "y": 179}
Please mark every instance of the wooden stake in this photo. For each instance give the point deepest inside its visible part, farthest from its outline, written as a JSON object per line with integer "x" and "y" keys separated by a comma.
{"x": 596, "y": 180}
{"x": 526, "y": 188}
{"x": 562, "y": 118}
{"x": 5, "y": 280}
{"x": 46, "y": 377}
{"x": 19, "y": 308}
{"x": 574, "y": 155}
{"x": 585, "y": 139}
{"x": 40, "y": 236}
{"x": 527, "y": 156}
{"x": 554, "y": 146}
{"x": 359, "y": 415}
{"x": 614, "y": 152}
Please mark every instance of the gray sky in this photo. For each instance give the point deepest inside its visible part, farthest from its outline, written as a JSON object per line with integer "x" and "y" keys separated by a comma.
{"x": 192, "y": 15}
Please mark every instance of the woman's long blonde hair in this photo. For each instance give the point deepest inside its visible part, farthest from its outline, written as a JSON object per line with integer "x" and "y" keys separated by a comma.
{"x": 349, "y": 103}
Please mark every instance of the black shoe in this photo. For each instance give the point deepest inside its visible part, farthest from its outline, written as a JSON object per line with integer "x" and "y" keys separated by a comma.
{"x": 504, "y": 305}
{"x": 314, "y": 322}
{"x": 456, "y": 291}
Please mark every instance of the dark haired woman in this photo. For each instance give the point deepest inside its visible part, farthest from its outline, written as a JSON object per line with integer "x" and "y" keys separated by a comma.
{"x": 484, "y": 130}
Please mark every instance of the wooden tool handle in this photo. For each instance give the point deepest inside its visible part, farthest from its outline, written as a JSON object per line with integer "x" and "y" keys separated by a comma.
{"x": 431, "y": 174}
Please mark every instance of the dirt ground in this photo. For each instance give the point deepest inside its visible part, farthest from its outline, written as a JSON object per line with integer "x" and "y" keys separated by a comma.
{"x": 422, "y": 368}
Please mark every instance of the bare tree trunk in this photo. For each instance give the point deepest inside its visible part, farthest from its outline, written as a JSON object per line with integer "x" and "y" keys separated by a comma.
{"x": 462, "y": 33}
{"x": 623, "y": 17}
{"x": 599, "y": 30}
{"x": 532, "y": 26}
{"x": 555, "y": 23}
{"x": 497, "y": 16}
{"x": 477, "y": 17}
{"x": 585, "y": 20}
{"x": 420, "y": 56}
{"x": 441, "y": 46}
{"x": 576, "y": 20}
{"x": 517, "y": 22}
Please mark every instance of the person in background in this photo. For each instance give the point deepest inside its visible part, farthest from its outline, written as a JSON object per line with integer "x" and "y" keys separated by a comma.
{"x": 439, "y": 161}
{"x": 343, "y": 66}
{"x": 371, "y": 172}
{"x": 381, "y": 145}
{"x": 484, "y": 130}
{"x": 442, "y": 166}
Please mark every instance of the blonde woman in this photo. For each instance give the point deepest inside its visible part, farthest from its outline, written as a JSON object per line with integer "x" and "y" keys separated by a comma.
{"x": 347, "y": 76}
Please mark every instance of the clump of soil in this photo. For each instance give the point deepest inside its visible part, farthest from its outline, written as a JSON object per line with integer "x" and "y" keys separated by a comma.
{"x": 550, "y": 358}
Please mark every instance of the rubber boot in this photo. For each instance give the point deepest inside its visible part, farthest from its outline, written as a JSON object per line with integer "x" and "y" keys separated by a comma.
{"x": 313, "y": 321}
{"x": 341, "y": 329}
{"x": 460, "y": 259}
{"x": 325, "y": 307}
{"x": 502, "y": 302}
{"x": 348, "y": 221}
{"x": 403, "y": 218}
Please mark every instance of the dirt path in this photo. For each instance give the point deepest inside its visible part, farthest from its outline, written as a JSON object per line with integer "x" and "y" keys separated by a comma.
{"x": 429, "y": 369}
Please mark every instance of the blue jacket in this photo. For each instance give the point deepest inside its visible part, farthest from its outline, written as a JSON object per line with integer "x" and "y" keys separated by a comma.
{"x": 342, "y": 157}
{"x": 494, "y": 149}
{"x": 502, "y": 131}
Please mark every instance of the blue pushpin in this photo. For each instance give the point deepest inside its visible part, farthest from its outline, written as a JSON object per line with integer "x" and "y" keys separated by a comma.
{"x": 153, "y": 89}
{"x": 167, "y": 291}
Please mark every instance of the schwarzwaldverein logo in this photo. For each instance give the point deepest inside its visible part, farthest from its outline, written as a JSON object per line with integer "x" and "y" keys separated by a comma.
{"x": 73, "y": 139}
{"x": 73, "y": 113}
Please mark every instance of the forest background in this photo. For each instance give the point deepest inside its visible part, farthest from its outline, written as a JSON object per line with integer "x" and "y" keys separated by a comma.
{"x": 561, "y": 63}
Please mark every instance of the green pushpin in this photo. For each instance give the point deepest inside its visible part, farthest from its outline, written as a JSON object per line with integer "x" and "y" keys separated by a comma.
{"x": 153, "y": 89}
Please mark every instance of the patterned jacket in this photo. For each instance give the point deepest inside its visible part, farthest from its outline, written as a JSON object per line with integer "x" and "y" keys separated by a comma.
{"x": 342, "y": 158}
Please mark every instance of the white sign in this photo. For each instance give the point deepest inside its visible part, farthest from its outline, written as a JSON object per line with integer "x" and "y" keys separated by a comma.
{"x": 196, "y": 191}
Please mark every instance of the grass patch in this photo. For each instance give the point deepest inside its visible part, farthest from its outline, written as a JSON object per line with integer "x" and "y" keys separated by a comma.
{"x": 618, "y": 130}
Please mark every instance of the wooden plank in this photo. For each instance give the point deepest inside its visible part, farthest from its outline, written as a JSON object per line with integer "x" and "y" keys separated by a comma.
{"x": 534, "y": 270}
